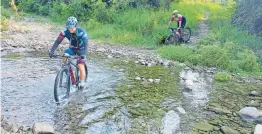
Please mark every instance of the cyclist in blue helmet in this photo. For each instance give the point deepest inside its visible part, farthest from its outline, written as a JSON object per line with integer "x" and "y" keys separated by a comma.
{"x": 78, "y": 45}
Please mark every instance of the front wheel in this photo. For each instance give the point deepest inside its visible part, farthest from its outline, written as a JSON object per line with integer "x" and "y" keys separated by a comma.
{"x": 62, "y": 85}
{"x": 171, "y": 39}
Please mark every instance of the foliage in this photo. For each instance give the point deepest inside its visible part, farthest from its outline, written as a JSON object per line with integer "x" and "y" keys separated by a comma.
{"x": 4, "y": 24}
{"x": 223, "y": 77}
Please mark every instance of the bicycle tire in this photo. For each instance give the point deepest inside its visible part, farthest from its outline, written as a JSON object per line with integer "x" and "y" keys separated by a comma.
{"x": 86, "y": 69}
{"x": 58, "y": 80}
{"x": 77, "y": 75}
{"x": 187, "y": 32}
{"x": 169, "y": 39}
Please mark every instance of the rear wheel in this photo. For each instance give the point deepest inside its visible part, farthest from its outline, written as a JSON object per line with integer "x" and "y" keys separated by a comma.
{"x": 187, "y": 34}
{"x": 62, "y": 85}
{"x": 86, "y": 69}
{"x": 77, "y": 75}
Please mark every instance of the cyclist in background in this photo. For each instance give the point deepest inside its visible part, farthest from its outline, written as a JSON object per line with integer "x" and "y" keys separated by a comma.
{"x": 181, "y": 23}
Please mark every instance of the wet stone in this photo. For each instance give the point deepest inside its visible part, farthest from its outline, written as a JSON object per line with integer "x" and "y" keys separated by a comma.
{"x": 187, "y": 89}
{"x": 166, "y": 63}
{"x": 138, "y": 78}
{"x": 249, "y": 113}
{"x": 42, "y": 128}
{"x": 254, "y": 93}
{"x": 253, "y": 104}
{"x": 204, "y": 127}
{"x": 121, "y": 70}
{"x": 182, "y": 64}
{"x": 151, "y": 80}
{"x": 171, "y": 122}
{"x": 186, "y": 68}
{"x": 181, "y": 110}
{"x": 109, "y": 56}
{"x": 216, "y": 128}
{"x": 258, "y": 129}
{"x": 228, "y": 130}
{"x": 149, "y": 64}
{"x": 219, "y": 110}
{"x": 157, "y": 81}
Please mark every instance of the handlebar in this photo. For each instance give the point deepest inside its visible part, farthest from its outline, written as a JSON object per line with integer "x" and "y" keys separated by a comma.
{"x": 66, "y": 56}
{"x": 174, "y": 28}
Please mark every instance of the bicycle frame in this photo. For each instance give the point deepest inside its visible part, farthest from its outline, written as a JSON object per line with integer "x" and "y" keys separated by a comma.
{"x": 68, "y": 63}
{"x": 73, "y": 78}
{"x": 174, "y": 32}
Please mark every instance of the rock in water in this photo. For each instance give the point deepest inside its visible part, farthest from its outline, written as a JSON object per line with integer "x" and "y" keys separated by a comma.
{"x": 227, "y": 130}
{"x": 157, "y": 81}
{"x": 137, "y": 78}
{"x": 258, "y": 129}
{"x": 42, "y": 128}
{"x": 109, "y": 56}
{"x": 151, "y": 80}
{"x": 249, "y": 113}
{"x": 171, "y": 122}
{"x": 254, "y": 93}
{"x": 204, "y": 127}
{"x": 181, "y": 110}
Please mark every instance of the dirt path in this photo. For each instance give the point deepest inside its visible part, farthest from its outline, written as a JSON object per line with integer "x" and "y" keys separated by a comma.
{"x": 202, "y": 30}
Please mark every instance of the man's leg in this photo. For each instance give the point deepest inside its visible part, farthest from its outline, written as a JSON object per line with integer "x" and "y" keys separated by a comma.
{"x": 68, "y": 51}
{"x": 81, "y": 65}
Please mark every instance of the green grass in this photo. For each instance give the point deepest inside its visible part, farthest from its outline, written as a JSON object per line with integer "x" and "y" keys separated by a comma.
{"x": 14, "y": 56}
{"x": 4, "y": 24}
{"x": 178, "y": 53}
{"x": 221, "y": 76}
{"x": 227, "y": 56}
{"x": 224, "y": 31}
{"x": 225, "y": 46}
{"x": 143, "y": 26}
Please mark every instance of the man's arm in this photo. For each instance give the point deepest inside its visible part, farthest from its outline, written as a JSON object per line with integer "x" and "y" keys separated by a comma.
{"x": 56, "y": 43}
{"x": 85, "y": 45}
{"x": 171, "y": 20}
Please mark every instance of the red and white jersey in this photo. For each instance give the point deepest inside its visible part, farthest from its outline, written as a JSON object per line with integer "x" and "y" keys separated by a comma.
{"x": 179, "y": 17}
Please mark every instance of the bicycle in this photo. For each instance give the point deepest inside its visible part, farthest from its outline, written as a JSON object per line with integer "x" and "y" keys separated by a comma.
{"x": 173, "y": 37}
{"x": 66, "y": 73}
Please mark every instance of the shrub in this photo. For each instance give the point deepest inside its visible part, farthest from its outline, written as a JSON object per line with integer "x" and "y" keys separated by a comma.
{"x": 178, "y": 53}
{"x": 223, "y": 77}
{"x": 214, "y": 56}
{"x": 4, "y": 24}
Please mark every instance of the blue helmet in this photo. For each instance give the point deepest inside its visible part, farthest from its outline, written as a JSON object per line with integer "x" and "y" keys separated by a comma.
{"x": 71, "y": 22}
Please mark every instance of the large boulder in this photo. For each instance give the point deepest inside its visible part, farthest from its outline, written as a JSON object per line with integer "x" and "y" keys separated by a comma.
{"x": 43, "y": 128}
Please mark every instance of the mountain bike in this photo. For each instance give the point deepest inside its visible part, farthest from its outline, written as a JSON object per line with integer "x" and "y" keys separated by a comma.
{"x": 173, "y": 37}
{"x": 65, "y": 77}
